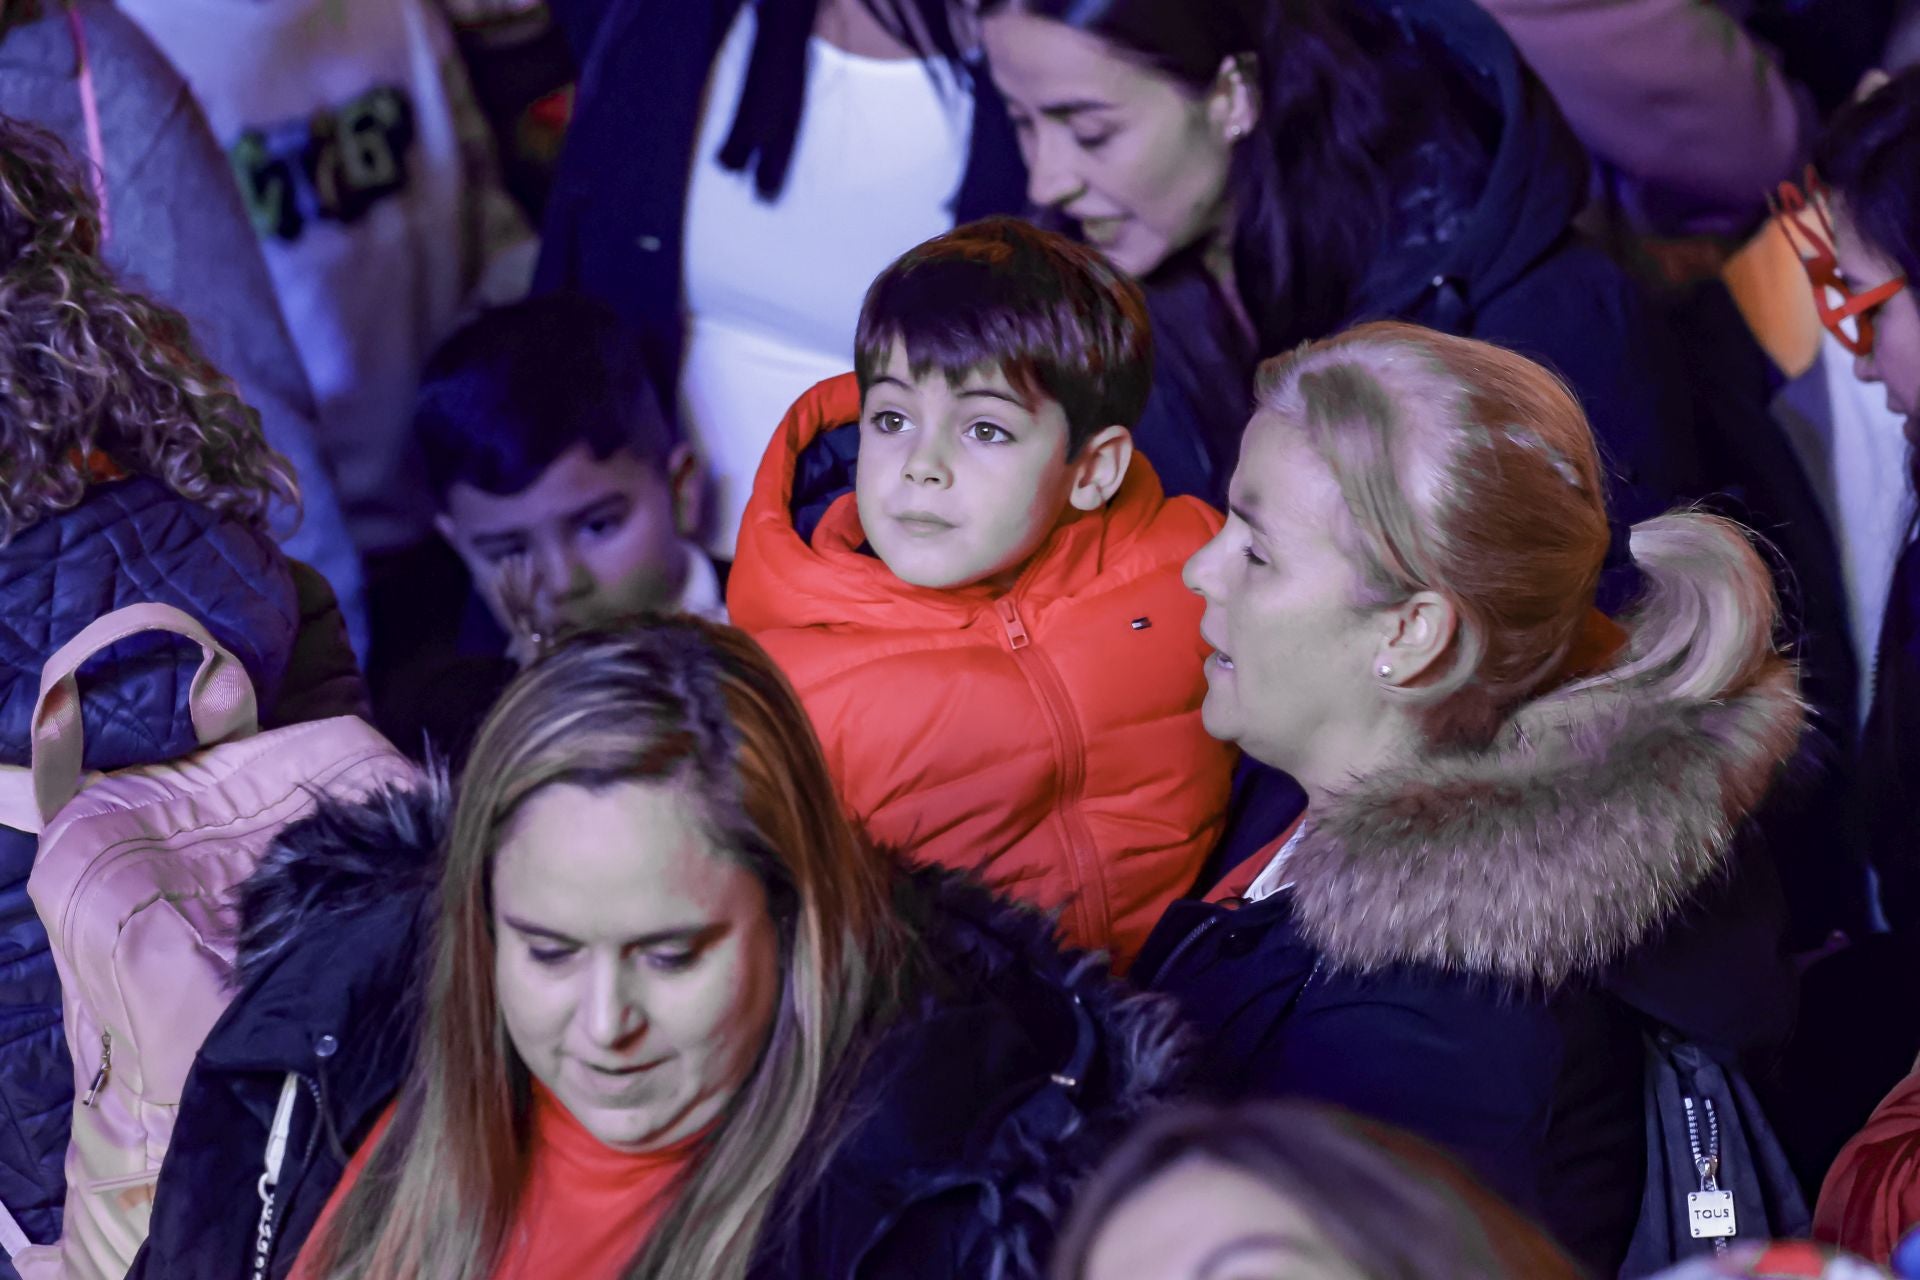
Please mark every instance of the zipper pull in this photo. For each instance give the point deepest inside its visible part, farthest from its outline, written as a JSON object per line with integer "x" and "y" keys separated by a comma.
{"x": 106, "y": 1069}
{"x": 1016, "y": 629}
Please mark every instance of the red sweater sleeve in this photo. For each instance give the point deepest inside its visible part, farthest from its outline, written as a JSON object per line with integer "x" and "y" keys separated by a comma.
{"x": 1871, "y": 1197}
{"x": 303, "y": 1265}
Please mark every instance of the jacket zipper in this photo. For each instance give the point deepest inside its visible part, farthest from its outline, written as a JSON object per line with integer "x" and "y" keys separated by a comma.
{"x": 1706, "y": 1155}
{"x": 101, "y": 1076}
{"x": 276, "y": 1155}
{"x": 1185, "y": 945}
{"x": 1089, "y": 902}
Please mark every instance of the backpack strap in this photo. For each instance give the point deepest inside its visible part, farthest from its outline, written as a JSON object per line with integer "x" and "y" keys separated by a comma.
{"x": 220, "y": 699}
{"x": 12, "y": 1238}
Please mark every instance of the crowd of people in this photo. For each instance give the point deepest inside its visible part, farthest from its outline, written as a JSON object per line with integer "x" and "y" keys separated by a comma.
{"x": 1129, "y": 638}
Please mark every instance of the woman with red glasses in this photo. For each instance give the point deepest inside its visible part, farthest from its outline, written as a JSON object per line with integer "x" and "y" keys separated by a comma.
{"x": 1858, "y": 233}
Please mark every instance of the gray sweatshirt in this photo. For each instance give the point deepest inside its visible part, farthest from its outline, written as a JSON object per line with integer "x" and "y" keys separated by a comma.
{"x": 180, "y": 233}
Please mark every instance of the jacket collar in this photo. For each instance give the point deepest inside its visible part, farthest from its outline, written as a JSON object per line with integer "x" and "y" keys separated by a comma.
{"x": 333, "y": 923}
{"x": 779, "y": 580}
{"x": 1542, "y": 856}
{"x": 1056, "y": 1058}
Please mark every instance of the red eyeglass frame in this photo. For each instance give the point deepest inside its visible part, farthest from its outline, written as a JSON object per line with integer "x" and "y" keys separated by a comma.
{"x": 1815, "y": 250}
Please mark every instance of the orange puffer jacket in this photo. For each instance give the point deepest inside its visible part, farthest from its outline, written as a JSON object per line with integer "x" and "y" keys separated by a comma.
{"x": 1048, "y": 737}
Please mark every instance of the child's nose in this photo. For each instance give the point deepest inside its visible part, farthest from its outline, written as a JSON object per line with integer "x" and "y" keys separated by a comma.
{"x": 927, "y": 464}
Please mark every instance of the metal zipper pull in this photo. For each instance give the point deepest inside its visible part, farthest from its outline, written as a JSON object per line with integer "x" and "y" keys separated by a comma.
{"x": 106, "y": 1069}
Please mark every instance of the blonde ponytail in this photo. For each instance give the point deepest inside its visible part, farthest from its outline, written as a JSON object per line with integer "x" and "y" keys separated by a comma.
{"x": 1703, "y": 628}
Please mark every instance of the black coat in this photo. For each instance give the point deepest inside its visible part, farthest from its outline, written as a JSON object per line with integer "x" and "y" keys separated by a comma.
{"x": 1009, "y": 1072}
{"x": 1470, "y": 947}
{"x": 1888, "y": 787}
{"x": 1494, "y": 255}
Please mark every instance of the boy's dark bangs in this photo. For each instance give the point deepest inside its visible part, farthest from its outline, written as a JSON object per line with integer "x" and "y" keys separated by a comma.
{"x": 957, "y": 350}
{"x": 1053, "y": 317}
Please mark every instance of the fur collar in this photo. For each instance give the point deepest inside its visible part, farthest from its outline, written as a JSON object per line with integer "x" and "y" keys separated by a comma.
{"x": 338, "y": 862}
{"x": 1542, "y": 856}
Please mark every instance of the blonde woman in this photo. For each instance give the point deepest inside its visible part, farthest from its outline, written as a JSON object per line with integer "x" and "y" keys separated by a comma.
{"x": 1524, "y": 742}
{"x": 655, "y": 1013}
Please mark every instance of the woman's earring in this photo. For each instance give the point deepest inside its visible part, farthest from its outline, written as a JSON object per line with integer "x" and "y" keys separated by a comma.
{"x": 1386, "y": 671}
{"x": 1235, "y": 132}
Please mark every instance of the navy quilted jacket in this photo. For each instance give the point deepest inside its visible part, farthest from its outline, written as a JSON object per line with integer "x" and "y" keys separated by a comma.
{"x": 126, "y": 543}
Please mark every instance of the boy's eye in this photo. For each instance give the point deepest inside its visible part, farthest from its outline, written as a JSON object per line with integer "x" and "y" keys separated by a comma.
{"x": 601, "y": 526}
{"x": 888, "y": 422}
{"x": 989, "y": 433}
{"x": 1094, "y": 141}
{"x": 499, "y": 555}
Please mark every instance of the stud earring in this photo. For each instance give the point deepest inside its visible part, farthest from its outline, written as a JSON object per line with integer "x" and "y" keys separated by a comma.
{"x": 1386, "y": 671}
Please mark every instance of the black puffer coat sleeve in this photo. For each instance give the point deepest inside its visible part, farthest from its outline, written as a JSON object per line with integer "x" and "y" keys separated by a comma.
{"x": 323, "y": 676}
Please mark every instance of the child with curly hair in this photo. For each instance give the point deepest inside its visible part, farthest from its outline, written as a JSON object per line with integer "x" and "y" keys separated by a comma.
{"x": 130, "y": 471}
{"x": 83, "y": 71}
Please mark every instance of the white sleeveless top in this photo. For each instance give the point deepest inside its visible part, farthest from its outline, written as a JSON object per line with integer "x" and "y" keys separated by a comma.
{"x": 773, "y": 291}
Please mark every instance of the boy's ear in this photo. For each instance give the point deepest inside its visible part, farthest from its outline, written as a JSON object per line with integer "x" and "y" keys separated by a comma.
{"x": 687, "y": 485}
{"x": 1100, "y": 467}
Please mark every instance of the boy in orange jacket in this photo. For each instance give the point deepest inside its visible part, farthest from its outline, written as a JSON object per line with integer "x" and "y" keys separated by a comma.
{"x": 990, "y": 632}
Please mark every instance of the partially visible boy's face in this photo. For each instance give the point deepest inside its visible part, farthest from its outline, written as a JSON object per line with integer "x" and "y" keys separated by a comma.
{"x": 960, "y": 483}
{"x": 601, "y": 535}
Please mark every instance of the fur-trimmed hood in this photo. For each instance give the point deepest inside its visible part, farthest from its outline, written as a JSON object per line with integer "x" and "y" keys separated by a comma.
{"x": 1545, "y": 855}
{"x": 335, "y": 864}
{"x": 1007, "y": 1075}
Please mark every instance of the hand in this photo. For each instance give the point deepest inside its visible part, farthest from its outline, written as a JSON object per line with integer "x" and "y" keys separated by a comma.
{"x": 530, "y": 622}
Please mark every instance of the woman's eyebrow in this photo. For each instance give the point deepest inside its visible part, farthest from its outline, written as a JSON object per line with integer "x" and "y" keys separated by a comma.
{"x": 1072, "y": 107}
{"x": 658, "y": 937}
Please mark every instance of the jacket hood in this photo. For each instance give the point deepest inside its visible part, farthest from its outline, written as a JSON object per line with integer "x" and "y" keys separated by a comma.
{"x": 1057, "y": 1059}
{"x": 338, "y": 862}
{"x": 781, "y": 579}
{"x": 1537, "y": 179}
{"x": 1544, "y": 856}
